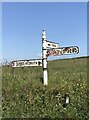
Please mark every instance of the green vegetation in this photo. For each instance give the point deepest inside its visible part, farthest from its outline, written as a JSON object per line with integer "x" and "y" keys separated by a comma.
{"x": 24, "y": 95}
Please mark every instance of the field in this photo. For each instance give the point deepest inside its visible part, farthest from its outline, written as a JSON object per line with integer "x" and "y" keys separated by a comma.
{"x": 24, "y": 96}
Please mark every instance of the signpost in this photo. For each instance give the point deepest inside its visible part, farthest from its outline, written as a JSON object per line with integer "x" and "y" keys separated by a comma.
{"x": 25, "y": 63}
{"x": 48, "y": 49}
{"x": 53, "y": 51}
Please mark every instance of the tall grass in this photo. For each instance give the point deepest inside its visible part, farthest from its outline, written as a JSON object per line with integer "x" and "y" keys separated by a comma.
{"x": 24, "y": 95}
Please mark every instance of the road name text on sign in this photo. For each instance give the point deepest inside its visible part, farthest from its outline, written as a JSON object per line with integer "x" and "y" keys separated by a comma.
{"x": 23, "y": 63}
{"x": 50, "y": 44}
{"x": 62, "y": 51}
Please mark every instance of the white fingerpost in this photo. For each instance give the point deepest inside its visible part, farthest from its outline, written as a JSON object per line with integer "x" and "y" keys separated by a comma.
{"x": 44, "y": 58}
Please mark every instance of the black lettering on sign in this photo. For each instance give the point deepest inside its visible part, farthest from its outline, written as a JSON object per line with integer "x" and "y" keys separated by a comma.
{"x": 30, "y": 63}
{"x": 26, "y": 63}
{"x": 74, "y": 50}
{"x": 65, "y": 50}
{"x": 54, "y": 52}
{"x": 13, "y": 63}
{"x": 60, "y": 52}
{"x": 70, "y": 50}
{"x": 48, "y": 44}
{"x": 53, "y": 45}
{"x": 50, "y": 52}
{"x": 39, "y": 62}
{"x": 19, "y": 63}
{"x": 57, "y": 52}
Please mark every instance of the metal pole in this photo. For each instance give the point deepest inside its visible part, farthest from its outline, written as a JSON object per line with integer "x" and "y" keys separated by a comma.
{"x": 44, "y": 58}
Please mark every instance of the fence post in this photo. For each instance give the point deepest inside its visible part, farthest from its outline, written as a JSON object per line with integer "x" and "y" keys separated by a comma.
{"x": 44, "y": 58}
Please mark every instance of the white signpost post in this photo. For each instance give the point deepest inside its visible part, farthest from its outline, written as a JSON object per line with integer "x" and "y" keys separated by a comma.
{"x": 48, "y": 49}
{"x": 46, "y": 44}
{"x": 44, "y": 58}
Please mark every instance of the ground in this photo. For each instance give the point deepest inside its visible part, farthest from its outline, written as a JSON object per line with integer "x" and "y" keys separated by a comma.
{"x": 25, "y": 96}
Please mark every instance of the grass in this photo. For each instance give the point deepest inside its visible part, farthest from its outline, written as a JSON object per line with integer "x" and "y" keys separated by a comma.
{"x": 24, "y": 96}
